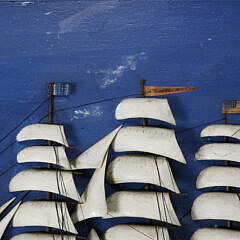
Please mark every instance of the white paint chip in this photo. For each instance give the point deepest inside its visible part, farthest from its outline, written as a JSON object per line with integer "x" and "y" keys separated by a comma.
{"x": 26, "y": 3}
{"x": 48, "y": 13}
{"x": 111, "y": 75}
{"x": 83, "y": 113}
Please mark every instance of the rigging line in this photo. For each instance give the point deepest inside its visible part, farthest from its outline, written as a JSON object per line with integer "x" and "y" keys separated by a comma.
{"x": 160, "y": 183}
{"x": 132, "y": 228}
{"x": 159, "y": 211}
{"x": 184, "y": 215}
{"x": 6, "y": 170}
{"x": 165, "y": 211}
{"x": 66, "y": 223}
{"x": 172, "y": 177}
{"x": 235, "y": 133}
{"x": 163, "y": 197}
{"x": 62, "y": 190}
{"x": 90, "y": 103}
{"x": 11, "y": 131}
{"x": 80, "y": 199}
{"x": 60, "y": 223}
{"x": 23, "y": 120}
{"x": 165, "y": 205}
{"x": 11, "y": 166}
{"x": 63, "y": 186}
{"x": 58, "y": 217}
{"x": 200, "y": 125}
{"x": 156, "y": 229}
{"x": 7, "y": 147}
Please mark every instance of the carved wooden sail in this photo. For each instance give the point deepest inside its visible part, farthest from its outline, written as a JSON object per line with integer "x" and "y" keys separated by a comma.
{"x": 136, "y": 232}
{"x": 47, "y": 154}
{"x": 6, "y": 220}
{"x": 48, "y": 132}
{"x": 152, "y": 168}
{"x": 218, "y": 205}
{"x": 142, "y": 169}
{"x": 51, "y": 213}
{"x": 95, "y": 204}
{"x": 44, "y": 213}
{"x": 150, "y": 205}
{"x": 219, "y": 151}
{"x": 160, "y": 141}
{"x": 45, "y": 180}
{"x": 94, "y": 156}
{"x": 6, "y": 204}
{"x": 222, "y": 130}
{"x": 155, "y": 108}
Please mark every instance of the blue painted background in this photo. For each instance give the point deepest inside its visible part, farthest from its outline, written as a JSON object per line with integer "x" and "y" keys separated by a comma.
{"x": 104, "y": 48}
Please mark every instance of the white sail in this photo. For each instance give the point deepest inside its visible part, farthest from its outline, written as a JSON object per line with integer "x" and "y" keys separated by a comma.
{"x": 93, "y": 235}
{"x": 219, "y": 176}
{"x": 94, "y": 197}
{"x": 93, "y": 157}
{"x": 50, "y": 132}
{"x": 216, "y": 205}
{"x": 44, "y": 213}
{"x": 136, "y": 232}
{"x": 142, "y": 169}
{"x": 154, "y": 140}
{"x": 43, "y": 236}
{"x": 6, "y": 204}
{"x": 216, "y": 234}
{"x": 227, "y": 130}
{"x": 155, "y": 108}
{"x": 6, "y": 220}
{"x": 55, "y": 181}
{"x": 219, "y": 151}
{"x": 47, "y": 154}
{"x": 152, "y": 205}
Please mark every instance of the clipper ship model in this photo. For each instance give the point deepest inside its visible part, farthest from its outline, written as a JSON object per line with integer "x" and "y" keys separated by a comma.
{"x": 224, "y": 205}
{"x": 152, "y": 168}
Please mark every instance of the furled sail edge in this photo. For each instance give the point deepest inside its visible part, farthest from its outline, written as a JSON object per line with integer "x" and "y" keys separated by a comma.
{"x": 6, "y": 220}
{"x": 160, "y": 141}
{"x": 136, "y": 232}
{"x": 216, "y": 234}
{"x": 217, "y": 206}
{"x": 50, "y": 132}
{"x": 55, "y": 181}
{"x": 43, "y": 236}
{"x": 217, "y": 176}
{"x": 48, "y": 154}
{"x": 6, "y": 204}
{"x": 227, "y": 130}
{"x": 44, "y": 213}
{"x": 93, "y": 157}
{"x": 94, "y": 197}
{"x": 142, "y": 169}
{"x": 151, "y": 205}
{"x": 155, "y": 108}
{"x": 219, "y": 151}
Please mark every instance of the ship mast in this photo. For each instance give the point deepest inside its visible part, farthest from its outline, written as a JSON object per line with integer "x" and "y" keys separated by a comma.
{"x": 50, "y": 121}
{"x": 145, "y": 139}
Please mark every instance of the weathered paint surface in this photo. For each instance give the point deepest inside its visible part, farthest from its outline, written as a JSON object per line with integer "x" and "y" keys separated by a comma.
{"x": 104, "y": 48}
